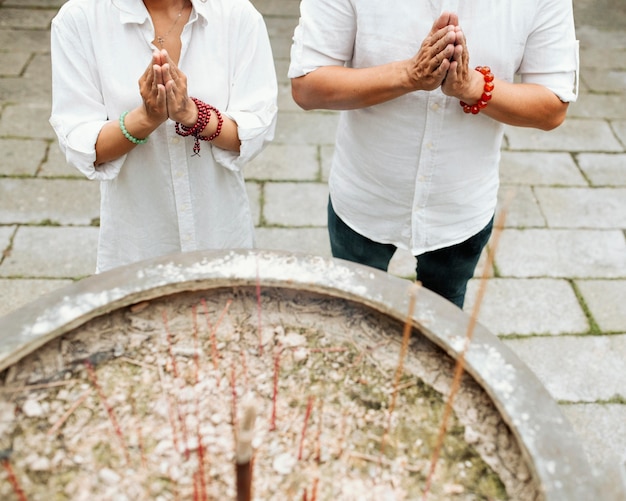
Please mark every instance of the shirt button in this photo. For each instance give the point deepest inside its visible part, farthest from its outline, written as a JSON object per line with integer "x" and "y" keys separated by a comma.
{"x": 434, "y": 106}
{"x": 175, "y": 140}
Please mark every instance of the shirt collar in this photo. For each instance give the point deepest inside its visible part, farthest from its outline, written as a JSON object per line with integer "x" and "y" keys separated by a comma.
{"x": 134, "y": 11}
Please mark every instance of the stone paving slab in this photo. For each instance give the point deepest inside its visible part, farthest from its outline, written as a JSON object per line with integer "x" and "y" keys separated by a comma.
{"x": 45, "y": 201}
{"x": 51, "y": 252}
{"x": 55, "y": 165}
{"x": 609, "y": 106}
{"x": 602, "y": 431}
{"x": 6, "y": 234}
{"x": 285, "y": 162}
{"x": 604, "y": 169}
{"x": 606, "y": 299}
{"x": 295, "y": 204}
{"x": 576, "y": 368}
{"x": 607, "y": 81}
{"x": 17, "y": 293}
{"x": 583, "y": 207}
{"x": 308, "y": 240}
{"x": 26, "y": 18}
{"x": 575, "y": 134}
{"x": 522, "y": 209}
{"x": 21, "y": 157}
{"x": 26, "y": 121}
{"x": 526, "y": 307}
{"x": 619, "y": 126}
{"x": 539, "y": 169}
{"x": 26, "y": 40}
{"x": 561, "y": 254}
{"x": 312, "y": 127}
{"x": 13, "y": 63}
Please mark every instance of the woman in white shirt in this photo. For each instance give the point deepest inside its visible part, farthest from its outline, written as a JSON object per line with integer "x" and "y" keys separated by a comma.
{"x": 418, "y": 141}
{"x": 164, "y": 102}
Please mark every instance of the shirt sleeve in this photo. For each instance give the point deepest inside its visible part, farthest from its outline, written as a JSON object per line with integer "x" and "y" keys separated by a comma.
{"x": 551, "y": 53}
{"x": 324, "y": 36}
{"x": 253, "y": 93}
{"x": 78, "y": 111}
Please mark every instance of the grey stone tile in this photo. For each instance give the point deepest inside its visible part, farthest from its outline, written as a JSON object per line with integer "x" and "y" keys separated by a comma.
{"x": 583, "y": 207}
{"x": 527, "y": 306}
{"x": 56, "y": 166}
{"x": 6, "y": 234}
{"x": 285, "y": 101}
{"x": 295, "y": 204}
{"x": 326, "y": 154}
{"x": 40, "y": 69}
{"x": 26, "y": 121}
{"x": 522, "y": 209}
{"x": 15, "y": 293}
{"x": 52, "y": 252}
{"x": 254, "y": 191}
{"x": 576, "y": 368}
{"x": 285, "y": 162}
{"x": 605, "y": 81}
{"x": 575, "y": 134}
{"x": 561, "y": 254}
{"x": 601, "y": 430}
{"x": 26, "y": 18}
{"x": 595, "y": 59}
{"x": 619, "y": 126}
{"x": 58, "y": 201}
{"x": 312, "y": 241}
{"x": 312, "y": 127}
{"x": 26, "y": 40}
{"x": 594, "y": 37}
{"x": 608, "y": 106}
{"x": 537, "y": 168}
{"x": 13, "y": 63}
{"x": 605, "y": 300}
{"x": 33, "y": 91}
{"x": 604, "y": 169}
{"x": 277, "y": 7}
{"x": 34, "y": 3}
{"x": 21, "y": 157}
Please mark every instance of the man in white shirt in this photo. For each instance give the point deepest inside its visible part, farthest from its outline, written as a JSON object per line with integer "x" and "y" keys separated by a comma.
{"x": 419, "y": 136}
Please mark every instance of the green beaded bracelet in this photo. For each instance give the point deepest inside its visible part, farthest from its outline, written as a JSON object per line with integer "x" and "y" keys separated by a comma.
{"x": 127, "y": 134}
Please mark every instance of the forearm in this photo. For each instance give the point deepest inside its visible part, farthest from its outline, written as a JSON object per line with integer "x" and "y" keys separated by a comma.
{"x": 112, "y": 144}
{"x": 526, "y": 105}
{"x": 341, "y": 88}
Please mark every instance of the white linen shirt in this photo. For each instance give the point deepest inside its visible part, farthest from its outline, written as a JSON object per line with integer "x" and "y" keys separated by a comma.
{"x": 418, "y": 172}
{"x": 159, "y": 198}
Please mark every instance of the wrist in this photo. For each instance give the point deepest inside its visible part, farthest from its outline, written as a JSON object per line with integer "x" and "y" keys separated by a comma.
{"x": 190, "y": 116}
{"x": 487, "y": 84}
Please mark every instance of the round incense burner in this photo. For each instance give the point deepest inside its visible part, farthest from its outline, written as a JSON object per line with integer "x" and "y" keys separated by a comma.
{"x": 133, "y": 384}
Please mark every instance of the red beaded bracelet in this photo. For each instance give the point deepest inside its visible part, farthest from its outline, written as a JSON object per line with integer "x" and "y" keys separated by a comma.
{"x": 204, "y": 116}
{"x": 487, "y": 89}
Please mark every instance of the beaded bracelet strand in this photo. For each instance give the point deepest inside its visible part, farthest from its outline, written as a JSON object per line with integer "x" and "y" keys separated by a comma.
{"x": 128, "y": 135}
{"x": 487, "y": 89}
{"x": 204, "y": 116}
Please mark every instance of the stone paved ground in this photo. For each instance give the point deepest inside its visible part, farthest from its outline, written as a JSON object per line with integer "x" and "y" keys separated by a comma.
{"x": 556, "y": 293}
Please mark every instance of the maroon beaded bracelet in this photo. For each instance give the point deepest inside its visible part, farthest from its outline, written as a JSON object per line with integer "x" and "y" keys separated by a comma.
{"x": 204, "y": 116}
{"x": 487, "y": 89}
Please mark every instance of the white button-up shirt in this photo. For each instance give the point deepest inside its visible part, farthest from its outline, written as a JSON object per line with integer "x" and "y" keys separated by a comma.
{"x": 416, "y": 171}
{"x": 159, "y": 198}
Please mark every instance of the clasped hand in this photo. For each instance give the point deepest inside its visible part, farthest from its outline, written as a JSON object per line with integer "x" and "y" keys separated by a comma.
{"x": 443, "y": 61}
{"x": 163, "y": 88}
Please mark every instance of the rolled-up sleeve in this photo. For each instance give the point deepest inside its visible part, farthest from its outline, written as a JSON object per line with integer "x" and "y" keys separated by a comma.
{"x": 551, "y": 54}
{"x": 329, "y": 41}
{"x": 253, "y": 95}
{"x": 78, "y": 112}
